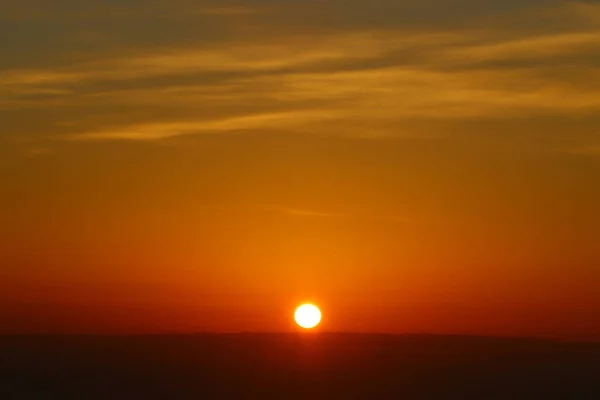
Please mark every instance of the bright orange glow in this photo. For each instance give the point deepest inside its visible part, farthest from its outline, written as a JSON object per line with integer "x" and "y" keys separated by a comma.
{"x": 214, "y": 185}
{"x": 307, "y": 316}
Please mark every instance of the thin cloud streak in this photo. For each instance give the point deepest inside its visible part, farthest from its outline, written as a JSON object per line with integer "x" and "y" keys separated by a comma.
{"x": 349, "y": 216}
{"x": 530, "y": 48}
{"x": 170, "y": 129}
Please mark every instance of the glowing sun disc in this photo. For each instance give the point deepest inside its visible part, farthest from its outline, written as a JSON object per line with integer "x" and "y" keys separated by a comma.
{"x": 307, "y": 316}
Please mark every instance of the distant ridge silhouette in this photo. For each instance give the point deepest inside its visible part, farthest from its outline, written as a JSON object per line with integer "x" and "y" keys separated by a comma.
{"x": 295, "y": 365}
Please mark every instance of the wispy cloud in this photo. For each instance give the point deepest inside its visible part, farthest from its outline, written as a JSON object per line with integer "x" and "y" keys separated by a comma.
{"x": 291, "y": 81}
{"x": 371, "y": 214}
{"x": 161, "y": 130}
{"x": 338, "y": 80}
{"x": 530, "y": 48}
{"x": 301, "y": 212}
{"x": 242, "y": 56}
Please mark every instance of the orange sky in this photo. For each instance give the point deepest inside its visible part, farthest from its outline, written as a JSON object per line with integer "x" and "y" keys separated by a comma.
{"x": 410, "y": 166}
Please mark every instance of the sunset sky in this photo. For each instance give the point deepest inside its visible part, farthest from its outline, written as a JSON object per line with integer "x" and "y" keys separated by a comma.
{"x": 408, "y": 165}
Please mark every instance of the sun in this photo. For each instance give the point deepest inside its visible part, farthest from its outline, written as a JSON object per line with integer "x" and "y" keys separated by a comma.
{"x": 307, "y": 316}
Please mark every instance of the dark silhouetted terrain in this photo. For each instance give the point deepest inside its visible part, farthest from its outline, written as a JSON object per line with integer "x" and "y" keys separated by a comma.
{"x": 290, "y": 366}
